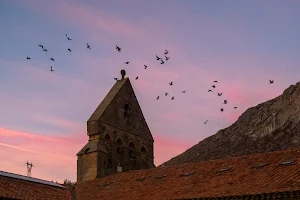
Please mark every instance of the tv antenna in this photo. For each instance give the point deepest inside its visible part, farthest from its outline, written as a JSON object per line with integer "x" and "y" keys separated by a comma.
{"x": 29, "y": 167}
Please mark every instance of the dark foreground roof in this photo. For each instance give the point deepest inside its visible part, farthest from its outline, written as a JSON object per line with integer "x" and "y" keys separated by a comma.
{"x": 15, "y": 186}
{"x": 251, "y": 175}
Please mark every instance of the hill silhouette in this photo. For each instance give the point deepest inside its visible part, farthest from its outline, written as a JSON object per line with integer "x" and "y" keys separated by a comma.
{"x": 269, "y": 126}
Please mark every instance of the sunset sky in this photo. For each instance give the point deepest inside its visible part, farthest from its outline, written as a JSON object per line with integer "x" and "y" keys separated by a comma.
{"x": 242, "y": 44}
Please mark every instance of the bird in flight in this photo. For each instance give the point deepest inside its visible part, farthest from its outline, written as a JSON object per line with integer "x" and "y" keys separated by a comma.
{"x": 166, "y": 94}
{"x": 166, "y": 52}
{"x": 52, "y": 59}
{"x": 213, "y": 86}
{"x": 28, "y": 58}
{"x": 183, "y": 91}
{"x": 45, "y": 50}
{"x": 171, "y": 83}
{"x": 205, "y": 121}
{"x": 68, "y": 37}
{"x": 157, "y": 58}
{"x": 225, "y": 101}
{"x": 69, "y": 50}
{"x": 215, "y": 81}
{"x": 157, "y": 97}
{"x": 126, "y": 63}
{"x": 52, "y": 70}
{"x": 116, "y": 79}
{"x": 167, "y": 58}
{"x": 271, "y": 81}
{"x": 162, "y": 62}
{"x": 221, "y": 109}
{"x": 145, "y": 66}
{"x": 235, "y": 107}
{"x": 137, "y": 78}
{"x": 41, "y": 46}
{"x": 209, "y": 90}
{"x": 88, "y": 46}
{"x": 118, "y": 48}
{"x": 219, "y": 94}
{"x": 172, "y": 98}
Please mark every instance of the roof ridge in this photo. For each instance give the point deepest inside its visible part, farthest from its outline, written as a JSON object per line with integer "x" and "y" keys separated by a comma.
{"x": 32, "y": 179}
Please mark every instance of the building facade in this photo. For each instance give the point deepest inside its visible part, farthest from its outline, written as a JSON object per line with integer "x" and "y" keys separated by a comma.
{"x": 119, "y": 137}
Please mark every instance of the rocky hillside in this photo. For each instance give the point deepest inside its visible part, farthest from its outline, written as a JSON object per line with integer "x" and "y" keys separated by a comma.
{"x": 269, "y": 126}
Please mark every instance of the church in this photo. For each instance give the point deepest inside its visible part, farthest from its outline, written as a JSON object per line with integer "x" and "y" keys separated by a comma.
{"x": 119, "y": 137}
{"x": 118, "y": 163}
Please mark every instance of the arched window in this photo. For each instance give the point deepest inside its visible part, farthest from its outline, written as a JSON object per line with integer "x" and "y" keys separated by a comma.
{"x": 120, "y": 153}
{"x": 126, "y": 110}
{"x": 132, "y": 156}
{"x": 144, "y": 158}
{"x": 108, "y": 146}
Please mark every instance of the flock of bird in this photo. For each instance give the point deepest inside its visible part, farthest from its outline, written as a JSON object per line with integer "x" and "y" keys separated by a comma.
{"x": 52, "y": 59}
{"x": 157, "y": 58}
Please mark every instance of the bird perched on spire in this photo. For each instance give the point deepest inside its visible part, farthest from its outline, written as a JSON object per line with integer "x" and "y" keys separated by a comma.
{"x": 123, "y": 73}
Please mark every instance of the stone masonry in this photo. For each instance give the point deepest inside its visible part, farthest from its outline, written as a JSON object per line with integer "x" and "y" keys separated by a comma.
{"x": 119, "y": 137}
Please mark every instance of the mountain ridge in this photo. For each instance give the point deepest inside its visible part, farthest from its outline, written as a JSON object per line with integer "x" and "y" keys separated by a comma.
{"x": 269, "y": 126}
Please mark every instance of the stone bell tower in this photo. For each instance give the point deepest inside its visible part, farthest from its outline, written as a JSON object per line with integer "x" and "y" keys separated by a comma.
{"x": 119, "y": 137}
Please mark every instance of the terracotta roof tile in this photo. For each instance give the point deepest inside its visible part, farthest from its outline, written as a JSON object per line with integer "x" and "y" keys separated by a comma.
{"x": 251, "y": 174}
{"x": 14, "y": 186}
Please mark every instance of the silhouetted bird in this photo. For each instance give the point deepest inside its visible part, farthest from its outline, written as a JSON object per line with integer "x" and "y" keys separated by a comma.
{"x": 157, "y": 97}
{"x": 116, "y": 79}
{"x": 126, "y": 63}
{"x": 221, "y": 109}
{"x": 167, "y": 58}
{"x": 215, "y": 81}
{"x": 52, "y": 59}
{"x": 41, "y": 46}
{"x": 118, "y": 48}
{"x": 205, "y": 121}
{"x": 271, "y": 81}
{"x": 157, "y": 58}
{"x": 172, "y": 98}
{"x": 225, "y": 101}
{"x": 28, "y": 58}
{"x": 137, "y": 78}
{"x": 51, "y": 69}
{"x": 69, "y": 50}
{"x": 171, "y": 83}
{"x": 213, "y": 86}
{"x": 166, "y": 52}
{"x": 162, "y": 62}
{"x": 235, "y": 107}
{"x": 219, "y": 94}
{"x": 68, "y": 37}
{"x": 183, "y": 91}
{"x": 88, "y": 46}
{"x": 45, "y": 50}
{"x": 166, "y": 94}
{"x": 145, "y": 66}
{"x": 209, "y": 90}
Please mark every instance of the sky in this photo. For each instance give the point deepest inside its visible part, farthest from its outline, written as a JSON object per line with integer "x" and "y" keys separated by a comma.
{"x": 241, "y": 44}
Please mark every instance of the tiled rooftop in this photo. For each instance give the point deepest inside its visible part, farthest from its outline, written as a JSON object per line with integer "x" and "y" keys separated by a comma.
{"x": 15, "y": 186}
{"x": 26, "y": 178}
{"x": 252, "y": 174}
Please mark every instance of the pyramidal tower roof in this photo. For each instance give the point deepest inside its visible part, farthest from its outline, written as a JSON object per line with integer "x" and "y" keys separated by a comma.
{"x": 108, "y": 99}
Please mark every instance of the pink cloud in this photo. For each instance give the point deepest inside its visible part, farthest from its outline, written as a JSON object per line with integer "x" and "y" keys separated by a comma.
{"x": 52, "y": 156}
{"x": 85, "y": 16}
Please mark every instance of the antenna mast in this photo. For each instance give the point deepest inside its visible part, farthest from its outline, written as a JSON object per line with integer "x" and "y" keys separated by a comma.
{"x": 29, "y": 167}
